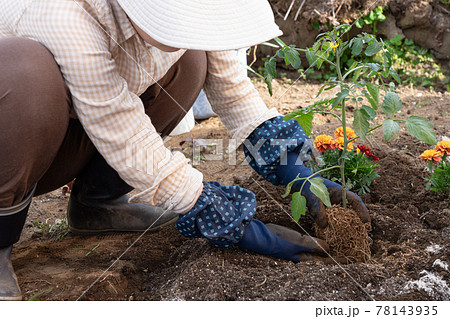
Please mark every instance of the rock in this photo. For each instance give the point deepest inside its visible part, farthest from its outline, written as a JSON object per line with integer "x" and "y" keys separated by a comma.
{"x": 389, "y": 28}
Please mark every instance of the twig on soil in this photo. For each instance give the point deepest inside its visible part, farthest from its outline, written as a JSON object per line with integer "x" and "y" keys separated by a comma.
{"x": 289, "y": 10}
{"x": 299, "y": 9}
{"x": 265, "y": 279}
{"x": 276, "y": 10}
{"x": 102, "y": 280}
{"x": 424, "y": 214}
{"x": 254, "y": 57}
{"x": 36, "y": 280}
{"x": 332, "y": 8}
{"x": 340, "y": 6}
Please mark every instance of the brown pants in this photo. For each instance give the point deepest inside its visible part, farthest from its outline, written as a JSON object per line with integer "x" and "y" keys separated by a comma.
{"x": 39, "y": 143}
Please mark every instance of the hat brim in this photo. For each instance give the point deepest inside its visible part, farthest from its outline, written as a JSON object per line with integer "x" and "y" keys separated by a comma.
{"x": 209, "y": 25}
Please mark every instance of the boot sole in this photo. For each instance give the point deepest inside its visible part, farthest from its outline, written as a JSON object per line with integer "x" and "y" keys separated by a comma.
{"x": 11, "y": 298}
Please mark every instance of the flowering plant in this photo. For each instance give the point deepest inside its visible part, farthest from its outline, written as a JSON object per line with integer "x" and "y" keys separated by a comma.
{"x": 439, "y": 181}
{"x": 359, "y": 169}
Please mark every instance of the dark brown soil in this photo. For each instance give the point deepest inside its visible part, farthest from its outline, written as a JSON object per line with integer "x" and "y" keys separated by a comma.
{"x": 410, "y": 235}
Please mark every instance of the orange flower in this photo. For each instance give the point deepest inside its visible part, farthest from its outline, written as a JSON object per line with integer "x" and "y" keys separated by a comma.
{"x": 339, "y": 132}
{"x": 431, "y": 155}
{"x": 339, "y": 143}
{"x": 443, "y": 147}
{"x": 324, "y": 143}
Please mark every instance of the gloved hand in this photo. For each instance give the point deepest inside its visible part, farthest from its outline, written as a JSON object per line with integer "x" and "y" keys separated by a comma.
{"x": 289, "y": 172}
{"x": 280, "y": 242}
{"x": 224, "y": 216}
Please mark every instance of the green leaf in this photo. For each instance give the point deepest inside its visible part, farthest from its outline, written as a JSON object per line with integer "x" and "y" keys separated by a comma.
{"x": 390, "y": 128}
{"x": 305, "y": 120}
{"x": 374, "y": 66}
{"x": 373, "y": 48}
{"x": 371, "y": 113}
{"x": 361, "y": 123}
{"x": 298, "y": 206}
{"x": 340, "y": 96}
{"x": 357, "y": 46}
{"x": 319, "y": 189}
{"x": 289, "y": 187}
{"x": 395, "y": 75}
{"x": 320, "y": 60}
{"x": 323, "y": 87}
{"x": 359, "y": 24}
{"x": 421, "y": 129}
{"x": 356, "y": 75}
{"x": 293, "y": 114}
{"x": 280, "y": 53}
{"x": 311, "y": 56}
{"x": 391, "y": 103}
{"x": 271, "y": 67}
{"x": 270, "y": 73}
{"x": 292, "y": 57}
{"x": 374, "y": 91}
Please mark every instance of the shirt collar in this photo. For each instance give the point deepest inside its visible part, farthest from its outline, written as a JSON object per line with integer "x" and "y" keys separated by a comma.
{"x": 126, "y": 29}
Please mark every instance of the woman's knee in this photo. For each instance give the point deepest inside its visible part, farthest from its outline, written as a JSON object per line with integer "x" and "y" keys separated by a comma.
{"x": 34, "y": 115}
{"x": 193, "y": 66}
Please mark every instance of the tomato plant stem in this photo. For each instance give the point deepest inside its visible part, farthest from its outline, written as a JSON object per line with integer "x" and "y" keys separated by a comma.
{"x": 344, "y": 129}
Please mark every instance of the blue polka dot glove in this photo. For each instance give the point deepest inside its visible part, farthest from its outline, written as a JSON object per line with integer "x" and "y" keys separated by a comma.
{"x": 220, "y": 214}
{"x": 267, "y": 145}
{"x": 277, "y": 150}
{"x": 224, "y": 215}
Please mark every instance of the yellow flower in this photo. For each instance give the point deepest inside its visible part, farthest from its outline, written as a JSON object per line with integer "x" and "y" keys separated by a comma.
{"x": 431, "y": 155}
{"x": 339, "y": 143}
{"x": 339, "y": 132}
{"x": 323, "y": 143}
{"x": 334, "y": 45}
{"x": 443, "y": 147}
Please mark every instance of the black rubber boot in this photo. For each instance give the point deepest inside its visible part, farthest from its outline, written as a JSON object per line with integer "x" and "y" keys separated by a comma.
{"x": 11, "y": 223}
{"x": 98, "y": 203}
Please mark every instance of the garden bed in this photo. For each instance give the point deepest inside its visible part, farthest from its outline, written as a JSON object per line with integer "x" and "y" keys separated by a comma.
{"x": 410, "y": 234}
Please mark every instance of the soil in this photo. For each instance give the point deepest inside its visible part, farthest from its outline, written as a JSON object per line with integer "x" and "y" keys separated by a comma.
{"x": 410, "y": 233}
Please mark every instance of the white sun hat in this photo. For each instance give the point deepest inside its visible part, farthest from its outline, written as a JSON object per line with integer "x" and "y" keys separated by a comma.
{"x": 209, "y": 25}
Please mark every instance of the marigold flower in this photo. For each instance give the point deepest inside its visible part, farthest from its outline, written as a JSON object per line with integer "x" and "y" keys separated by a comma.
{"x": 339, "y": 132}
{"x": 431, "y": 155}
{"x": 366, "y": 151}
{"x": 339, "y": 143}
{"x": 443, "y": 147}
{"x": 324, "y": 143}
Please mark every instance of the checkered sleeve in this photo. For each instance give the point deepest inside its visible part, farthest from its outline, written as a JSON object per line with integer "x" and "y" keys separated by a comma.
{"x": 111, "y": 115}
{"x": 233, "y": 97}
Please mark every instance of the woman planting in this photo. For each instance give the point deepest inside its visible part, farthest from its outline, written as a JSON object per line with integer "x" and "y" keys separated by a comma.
{"x": 97, "y": 84}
